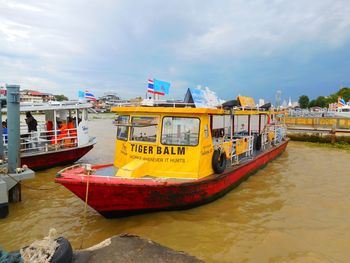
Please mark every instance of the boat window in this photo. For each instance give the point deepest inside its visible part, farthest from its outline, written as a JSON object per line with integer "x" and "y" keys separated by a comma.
{"x": 144, "y": 128}
{"x": 221, "y": 126}
{"x": 122, "y": 131}
{"x": 180, "y": 131}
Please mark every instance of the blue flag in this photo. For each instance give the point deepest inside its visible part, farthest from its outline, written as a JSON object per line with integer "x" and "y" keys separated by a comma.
{"x": 81, "y": 94}
{"x": 161, "y": 87}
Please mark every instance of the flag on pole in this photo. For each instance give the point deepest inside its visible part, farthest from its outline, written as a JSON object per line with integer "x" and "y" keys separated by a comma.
{"x": 161, "y": 87}
{"x": 341, "y": 102}
{"x": 85, "y": 95}
{"x": 150, "y": 88}
{"x": 89, "y": 95}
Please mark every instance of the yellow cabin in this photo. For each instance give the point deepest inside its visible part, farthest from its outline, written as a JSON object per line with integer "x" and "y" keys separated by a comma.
{"x": 165, "y": 142}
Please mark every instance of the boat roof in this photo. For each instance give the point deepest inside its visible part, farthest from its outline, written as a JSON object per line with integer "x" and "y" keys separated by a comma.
{"x": 53, "y": 105}
{"x": 257, "y": 112}
{"x": 168, "y": 110}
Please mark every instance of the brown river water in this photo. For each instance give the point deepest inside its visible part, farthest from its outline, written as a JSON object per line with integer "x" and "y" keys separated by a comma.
{"x": 296, "y": 209}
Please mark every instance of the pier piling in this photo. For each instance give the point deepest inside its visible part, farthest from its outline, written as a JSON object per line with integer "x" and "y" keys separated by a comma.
{"x": 10, "y": 189}
{"x": 13, "y": 126}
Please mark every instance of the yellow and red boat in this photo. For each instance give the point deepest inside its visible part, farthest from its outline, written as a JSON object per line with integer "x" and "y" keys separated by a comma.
{"x": 176, "y": 158}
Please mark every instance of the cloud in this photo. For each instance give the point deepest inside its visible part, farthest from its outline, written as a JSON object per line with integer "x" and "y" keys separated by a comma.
{"x": 116, "y": 45}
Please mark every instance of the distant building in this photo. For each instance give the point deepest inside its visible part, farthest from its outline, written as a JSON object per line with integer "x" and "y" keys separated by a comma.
{"x": 284, "y": 104}
{"x": 333, "y": 106}
{"x": 110, "y": 98}
{"x": 295, "y": 104}
{"x": 278, "y": 98}
{"x": 32, "y": 96}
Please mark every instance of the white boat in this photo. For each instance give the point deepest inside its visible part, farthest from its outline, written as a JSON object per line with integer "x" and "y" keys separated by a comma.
{"x": 62, "y": 135}
{"x": 343, "y": 112}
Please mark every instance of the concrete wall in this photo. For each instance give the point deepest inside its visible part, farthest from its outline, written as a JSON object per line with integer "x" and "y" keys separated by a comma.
{"x": 337, "y": 123}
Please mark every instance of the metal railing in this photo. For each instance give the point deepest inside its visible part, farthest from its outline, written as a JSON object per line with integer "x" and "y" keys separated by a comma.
{"x": 44, "y": 141}
{"x": 247, "y": 152}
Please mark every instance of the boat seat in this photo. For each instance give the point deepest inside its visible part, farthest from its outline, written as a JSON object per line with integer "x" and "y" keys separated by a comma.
{"x": 134, "y": 169}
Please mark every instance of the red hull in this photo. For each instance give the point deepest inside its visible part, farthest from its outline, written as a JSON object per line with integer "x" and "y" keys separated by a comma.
{"x": 50, "y": 159}
{"x": 114, "y": 197}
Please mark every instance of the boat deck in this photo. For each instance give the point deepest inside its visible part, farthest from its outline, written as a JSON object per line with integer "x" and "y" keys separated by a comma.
{"x": 107, "y": 171}
{"x": 111, "y": 171}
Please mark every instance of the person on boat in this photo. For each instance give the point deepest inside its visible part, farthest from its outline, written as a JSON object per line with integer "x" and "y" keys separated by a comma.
{"x": 31, "y": 122}
{"x": 4, "y": 131}
{"x": 49, "y": 129}
{"x": 72, "y": 131}
{"x": 61, "y": 133}
{"x": 31, "y": 137}
{"x": 62, "y": 138}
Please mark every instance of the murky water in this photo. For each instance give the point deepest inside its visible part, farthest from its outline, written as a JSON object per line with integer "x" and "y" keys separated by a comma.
{"x": 296, "y": 209}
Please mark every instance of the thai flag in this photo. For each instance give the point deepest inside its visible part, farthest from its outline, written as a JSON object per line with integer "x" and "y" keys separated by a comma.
{"x": 341, "y": 102}
{"x": 150, "y": 88}
{"x": 89, "y": 96}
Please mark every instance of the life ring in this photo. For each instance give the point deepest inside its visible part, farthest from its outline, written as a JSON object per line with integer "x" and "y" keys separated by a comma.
{"x": 219, "y": 161}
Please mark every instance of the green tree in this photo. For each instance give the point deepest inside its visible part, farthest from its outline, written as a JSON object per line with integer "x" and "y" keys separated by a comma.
{"x": 344, "y": 93}
{"x": 321, "y": 102}
{"x": 60, "y": 97}
{"x": 312, "y": 103}
{"x": 304, "y": 101}
{"x": 332, "y": 98}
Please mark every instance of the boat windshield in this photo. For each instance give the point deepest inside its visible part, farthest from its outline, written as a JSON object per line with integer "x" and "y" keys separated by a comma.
{"x": 122, "y": 131}
{"x": 180, "y": 131}
{"x": 144, "y": 128}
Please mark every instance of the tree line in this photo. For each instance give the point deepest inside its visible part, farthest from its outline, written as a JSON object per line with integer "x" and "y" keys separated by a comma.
{"x": 323, "y": 101}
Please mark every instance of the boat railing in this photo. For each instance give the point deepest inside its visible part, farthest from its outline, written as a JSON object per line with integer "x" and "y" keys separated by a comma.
{"x": 238, "y": 152}
{"x": 279, "y": 132}
{"x": 155, "y": 103}
{"x": 264, "y": 140}
{"x": 44, "y": 141}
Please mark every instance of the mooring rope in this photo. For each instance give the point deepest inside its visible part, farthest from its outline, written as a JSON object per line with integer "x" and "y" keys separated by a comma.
{"x": 88, "y": 170}
{"x": 41, "y": 250}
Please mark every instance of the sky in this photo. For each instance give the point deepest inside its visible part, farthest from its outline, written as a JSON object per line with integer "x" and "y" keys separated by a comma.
{"x": 246, "y": 47}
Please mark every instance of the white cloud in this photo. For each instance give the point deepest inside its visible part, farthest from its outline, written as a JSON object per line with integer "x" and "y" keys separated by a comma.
{"x": 105, "y": 45}
{"x": 260, "y": 27}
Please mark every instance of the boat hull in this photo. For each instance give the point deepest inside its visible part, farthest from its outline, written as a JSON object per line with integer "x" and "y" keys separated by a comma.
{"x": 117, "y": 197}
{"x": 49, "y": 159}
